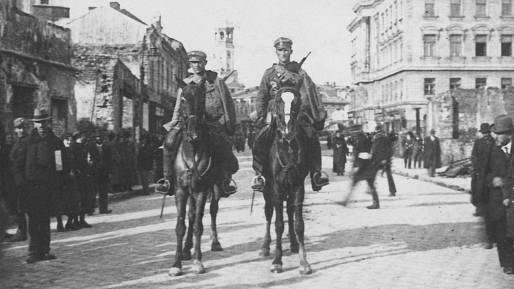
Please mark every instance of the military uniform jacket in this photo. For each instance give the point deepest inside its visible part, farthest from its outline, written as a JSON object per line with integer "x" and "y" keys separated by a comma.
{"x": 219, "y": 106}
{"x": 292, "y": 76}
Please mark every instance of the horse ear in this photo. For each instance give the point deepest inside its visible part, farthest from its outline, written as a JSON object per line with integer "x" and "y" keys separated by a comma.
{"x": 180, "y": 82}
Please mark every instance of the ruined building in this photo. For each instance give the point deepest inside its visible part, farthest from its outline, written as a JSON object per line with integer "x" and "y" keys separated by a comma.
{"x": 128, "y": 69}
{"x": 35, "y": 67}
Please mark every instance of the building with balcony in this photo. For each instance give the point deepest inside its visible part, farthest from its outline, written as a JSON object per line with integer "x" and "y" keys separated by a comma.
{"x": 404, "y": 52}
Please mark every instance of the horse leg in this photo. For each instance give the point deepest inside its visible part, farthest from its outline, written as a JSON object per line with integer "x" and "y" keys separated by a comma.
{"x": 213, "y": 209}
{"x": 276, "y": 266}
{"x": 268, "y": 212}
{"x": 180, "y": 230}
{"x": 188, "y": 244}
{"x": 305, "y": 267}
{"x": 290, "y": 224}
{"x": 198, "y": 231}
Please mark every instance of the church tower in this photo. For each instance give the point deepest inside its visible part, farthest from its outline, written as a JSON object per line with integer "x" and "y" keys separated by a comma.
{"x": 224, "y": 57}
{"x": 224, "y": 50}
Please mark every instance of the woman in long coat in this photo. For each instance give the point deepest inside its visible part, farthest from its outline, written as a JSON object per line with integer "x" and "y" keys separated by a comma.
{"x": 340, "y": 152}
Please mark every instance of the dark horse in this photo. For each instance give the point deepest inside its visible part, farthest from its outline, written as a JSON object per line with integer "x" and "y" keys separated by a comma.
{"x": 285, "y": 176}
{"x": 194, "y": 180}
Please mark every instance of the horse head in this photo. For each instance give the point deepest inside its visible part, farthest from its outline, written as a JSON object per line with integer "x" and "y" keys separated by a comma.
{"x": 193, "y": 95}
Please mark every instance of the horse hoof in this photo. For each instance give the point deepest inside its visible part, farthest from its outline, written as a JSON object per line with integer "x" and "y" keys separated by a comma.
{"x": 306, "y": 270}
{"x": 264, "y": 253}
{"x": 198, "y": 268}
{"x": 276, "y": 268}
{"x": 216, "y": 247}
{"x": 186, "y": 255}
{"x": 294, "y": 249}
{"x": 174, "y": 272}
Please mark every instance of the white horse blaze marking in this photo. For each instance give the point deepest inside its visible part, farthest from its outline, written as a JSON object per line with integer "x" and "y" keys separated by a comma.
{"x": 287, "y": 97}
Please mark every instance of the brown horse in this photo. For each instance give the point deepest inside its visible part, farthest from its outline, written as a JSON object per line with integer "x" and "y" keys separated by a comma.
{"x": 194, "y": 178}
{"x": 285, "y": 177}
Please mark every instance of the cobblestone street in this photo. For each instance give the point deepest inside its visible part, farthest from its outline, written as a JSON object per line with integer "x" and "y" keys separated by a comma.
{"x": 426, "y": 237}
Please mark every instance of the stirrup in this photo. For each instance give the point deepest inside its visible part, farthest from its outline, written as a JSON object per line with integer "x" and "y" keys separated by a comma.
{"x": 163, "y": 186}
{"x": 321, "y": 176}
{"x": 258, "y": 183}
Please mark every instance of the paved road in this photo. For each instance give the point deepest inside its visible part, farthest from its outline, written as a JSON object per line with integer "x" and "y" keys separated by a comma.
{"x": 424, "y": 238}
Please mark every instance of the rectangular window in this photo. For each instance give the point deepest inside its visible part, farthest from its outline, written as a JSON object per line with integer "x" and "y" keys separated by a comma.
{"x": 506, "y": 45}
{"x": 506, "y": 7}
{"x": 454, "y": 83}
{"x": 429, "y": 84}
{"x": 480, "y": 82}
{"x": 481, "y": 45}
{"x": 481, "y": 8}
{"x": 429, "y": 7}
{"x": 455, "y": 45}
{"x": 506, "y": 82}
{"x": 455, "y": 8}
{"x": 429, "y": 45}
{"x": 44, "y": 2}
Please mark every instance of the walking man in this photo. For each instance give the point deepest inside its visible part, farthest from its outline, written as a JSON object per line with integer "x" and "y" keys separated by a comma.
{"x": 100, "y": 162}
{"x": 312, "y": 115}
{"x": 382, "y": 152}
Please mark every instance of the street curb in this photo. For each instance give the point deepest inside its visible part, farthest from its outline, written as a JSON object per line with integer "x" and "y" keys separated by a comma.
{"x": 429, "y": 180}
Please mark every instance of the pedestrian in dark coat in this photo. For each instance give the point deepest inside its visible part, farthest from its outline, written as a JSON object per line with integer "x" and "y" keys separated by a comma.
{"x": 17, "y": 157}
{"x": 84, "y": 178}
{"x": 432, "y": 153}
{"x": 382, "y": 153}
{"x": 100, "y": 163}
{"x": 480, "y": 155}
{"x": 497, "y": 195}
{"x": 408, "y": 146}
{"x": 145, "y": 162}
{"x": 43, "y": 177}
{"x": 417, "y": 152}
{"x": 340, "y": 152}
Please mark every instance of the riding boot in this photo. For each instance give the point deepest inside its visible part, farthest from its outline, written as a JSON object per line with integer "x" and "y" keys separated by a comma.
{"x": 260, "y": 150}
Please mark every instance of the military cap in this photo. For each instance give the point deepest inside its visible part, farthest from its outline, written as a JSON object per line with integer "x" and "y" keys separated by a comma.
{"x": 197, "y": 55}
{"x": 283, "y": 42}
{"x": 19, "y": 122}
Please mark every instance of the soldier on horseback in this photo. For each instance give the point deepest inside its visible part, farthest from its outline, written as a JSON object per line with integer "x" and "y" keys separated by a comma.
{"x": 220, "y": 119}
{"x": 312, "y": 116}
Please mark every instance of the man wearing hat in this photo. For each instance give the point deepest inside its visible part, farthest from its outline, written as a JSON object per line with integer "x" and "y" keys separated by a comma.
{"x": 497, "y": 194}
{"x": 287, "y": 73}
{"x": 479, "y": 156}
{"x": 220, "y": 118}
{"x": 432, "y": 153}
{"x": 17, "y": 165}
{"x": 382, "y": 152}
{"x": 43, "y": 177}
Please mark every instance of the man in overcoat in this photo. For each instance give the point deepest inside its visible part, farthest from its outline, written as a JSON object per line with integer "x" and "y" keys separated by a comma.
{"x": 479, "y": 155}
{"x": 382, "y": 152}
{"x": 497, "y": 195}
{"x": 340, "y": 151}
{"x": 43, "y": 178}
{"x": 100, "y": 163}
{"x": 432, "y": 153}
{"x": 289, "y": 74}
{"x": 83, "y": 176}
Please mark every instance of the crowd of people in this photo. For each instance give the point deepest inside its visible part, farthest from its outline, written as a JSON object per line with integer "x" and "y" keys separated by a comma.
{"x": 46, "y": 176}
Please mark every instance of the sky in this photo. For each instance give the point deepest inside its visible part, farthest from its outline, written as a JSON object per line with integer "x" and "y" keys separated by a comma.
{"x": 313, "y": 25}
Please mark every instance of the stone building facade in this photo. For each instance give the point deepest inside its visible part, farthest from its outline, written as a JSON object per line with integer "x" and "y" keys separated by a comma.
{"x": 405, "y": 52}
{"x": 128, "y": 69}
{"x": 35, "y": 69}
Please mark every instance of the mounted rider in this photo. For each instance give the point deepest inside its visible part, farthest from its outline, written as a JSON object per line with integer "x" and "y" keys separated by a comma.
{"x": 220, "y": 119}
{"x": 288, "y": 74}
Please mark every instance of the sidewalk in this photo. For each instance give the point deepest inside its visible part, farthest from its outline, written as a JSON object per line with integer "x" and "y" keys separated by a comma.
{"x": 460, "y": 183}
